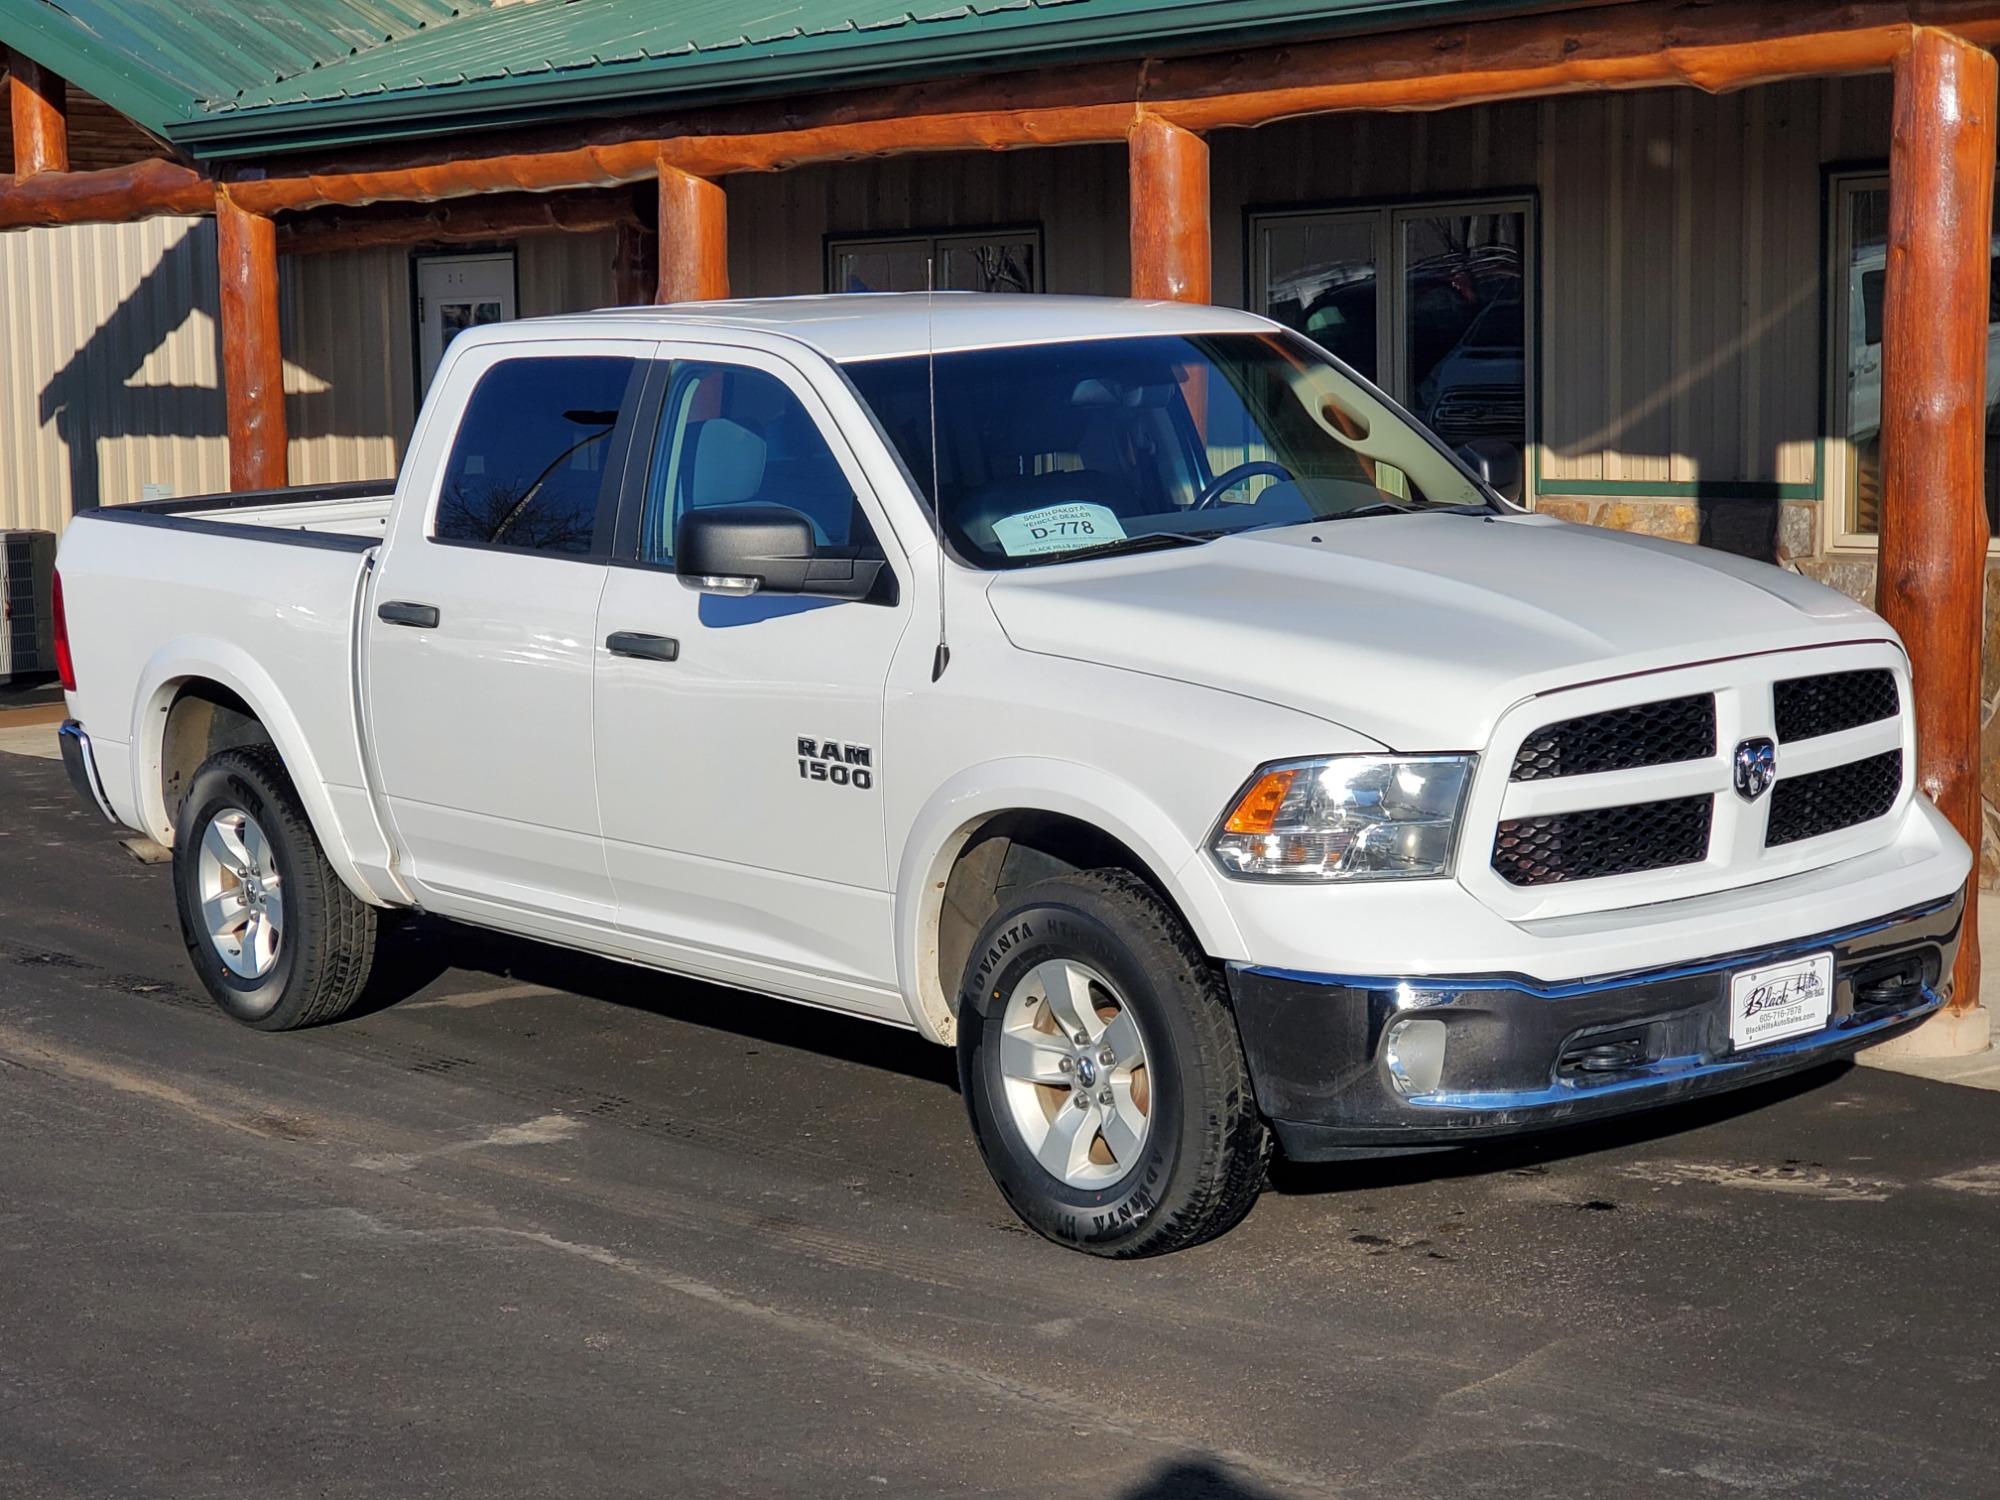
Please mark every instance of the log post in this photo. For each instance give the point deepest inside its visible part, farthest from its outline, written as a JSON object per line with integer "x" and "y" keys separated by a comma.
{"x": 41, "y": 130}
{"x": 694, "y": 237}
{"x": 1170, "y": 219}
{"x": 253, "y": 366}
{"x": 1934, "y": 341}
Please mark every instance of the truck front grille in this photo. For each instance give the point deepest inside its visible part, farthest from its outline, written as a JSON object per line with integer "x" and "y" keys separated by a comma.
{"x": 1604, "y": 841}
{"x": 1807, "y": 707}
{"x": 1804, "y": 807}
{"x": 1628, "y": 790}
{"x": 1621, "y": 739}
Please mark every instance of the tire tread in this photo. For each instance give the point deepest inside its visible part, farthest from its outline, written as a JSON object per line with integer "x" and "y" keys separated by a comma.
{"x": 332, "y": 964}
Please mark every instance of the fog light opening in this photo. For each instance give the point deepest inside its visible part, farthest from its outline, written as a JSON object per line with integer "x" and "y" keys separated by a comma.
{"x": 1414, "y": 1051}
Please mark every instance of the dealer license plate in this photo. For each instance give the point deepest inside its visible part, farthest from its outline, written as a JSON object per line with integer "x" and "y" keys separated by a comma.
{"x": 1780, "y": 1000}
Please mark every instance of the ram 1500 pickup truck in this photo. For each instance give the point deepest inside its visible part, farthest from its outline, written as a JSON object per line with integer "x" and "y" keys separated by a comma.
{"x": 1125, "y": 694}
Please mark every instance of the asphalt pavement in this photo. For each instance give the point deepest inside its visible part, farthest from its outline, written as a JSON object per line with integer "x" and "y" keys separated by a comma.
{"x": 538, "y": 1225}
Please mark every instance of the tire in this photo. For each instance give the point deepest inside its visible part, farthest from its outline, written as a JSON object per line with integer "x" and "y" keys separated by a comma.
{"x": 1176, "y": 1151}
{"x": 291, "y": 946}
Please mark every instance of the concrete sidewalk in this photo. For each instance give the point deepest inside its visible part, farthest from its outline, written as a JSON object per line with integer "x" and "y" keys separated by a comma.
{"x": 31, "y": 730}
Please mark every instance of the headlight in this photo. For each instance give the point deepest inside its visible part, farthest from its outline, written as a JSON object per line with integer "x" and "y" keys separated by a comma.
{"x": 1346, "y": 817}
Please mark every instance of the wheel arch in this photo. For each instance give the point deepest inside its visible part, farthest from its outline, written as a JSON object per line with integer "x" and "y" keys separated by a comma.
{"x": 965, "y": 849}
{"x": 198, "y": 696}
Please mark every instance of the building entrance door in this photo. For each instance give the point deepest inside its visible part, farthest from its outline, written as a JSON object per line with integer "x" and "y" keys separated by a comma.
{"x": 456, "y": 292}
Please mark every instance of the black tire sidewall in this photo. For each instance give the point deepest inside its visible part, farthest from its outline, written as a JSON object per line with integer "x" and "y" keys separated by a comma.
{"x": 1013, "y": 944}
{"x": 217, "y": 787}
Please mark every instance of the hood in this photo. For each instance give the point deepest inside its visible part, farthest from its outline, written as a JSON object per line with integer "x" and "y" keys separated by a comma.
{"x": 1419, "y": 630}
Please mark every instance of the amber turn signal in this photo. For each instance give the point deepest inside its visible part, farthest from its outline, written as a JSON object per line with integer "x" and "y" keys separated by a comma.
{"x": 1257, "y": 811}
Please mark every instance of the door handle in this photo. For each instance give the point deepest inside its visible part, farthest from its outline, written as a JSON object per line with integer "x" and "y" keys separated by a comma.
{"x": 402, "y": 612}
{"x": 650, "y": 647}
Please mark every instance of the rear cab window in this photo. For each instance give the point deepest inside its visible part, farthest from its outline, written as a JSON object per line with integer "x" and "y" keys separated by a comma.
{"x": 535, "y": 459}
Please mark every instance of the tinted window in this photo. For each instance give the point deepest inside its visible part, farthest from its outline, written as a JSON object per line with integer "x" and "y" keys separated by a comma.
{"x": 1045, "y": 450}
{"x": 730, "y": 435}
{"x": 529, "y": 463}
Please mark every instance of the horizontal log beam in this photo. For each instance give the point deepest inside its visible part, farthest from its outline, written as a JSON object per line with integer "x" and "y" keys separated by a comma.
{"x": 116, "y": 195}
{"x": 539, "y": 172}
{"x": 1653, "y": 43}
{"x": 1581, "y": 47}
{"x": 1007, "y": 130}
{"x": 457, "y": 221}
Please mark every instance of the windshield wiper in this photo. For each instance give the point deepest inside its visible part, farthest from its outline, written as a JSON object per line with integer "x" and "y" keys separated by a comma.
{"x": 1146, "y": 541}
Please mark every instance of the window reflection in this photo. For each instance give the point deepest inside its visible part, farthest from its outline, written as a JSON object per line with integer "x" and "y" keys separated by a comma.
{"x": 529, "y": 460}
{"x": 1465, "y": 340}
{"x": 1866, "y": 234}
{"x": 1442, "y": 325}
{"x": 1319, "y": 277}
{"x": 993, "y": 261}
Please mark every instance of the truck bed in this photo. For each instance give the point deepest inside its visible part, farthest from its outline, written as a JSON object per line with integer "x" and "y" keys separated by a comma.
{"x": 258, "y": 593}
{"x": 355, "y": 510}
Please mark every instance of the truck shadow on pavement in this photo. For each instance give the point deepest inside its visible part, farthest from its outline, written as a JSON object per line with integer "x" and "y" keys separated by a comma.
{"x": 416, "y": 952}
{"x": 1195, "y": 1480}
{"x": 1530, "y": 1153}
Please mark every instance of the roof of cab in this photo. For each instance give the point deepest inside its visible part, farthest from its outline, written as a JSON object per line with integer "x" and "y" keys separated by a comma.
{"x": 884, "y": 325}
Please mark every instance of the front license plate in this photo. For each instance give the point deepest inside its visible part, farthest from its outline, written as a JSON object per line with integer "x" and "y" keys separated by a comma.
{"x": 1780, "y": 1000}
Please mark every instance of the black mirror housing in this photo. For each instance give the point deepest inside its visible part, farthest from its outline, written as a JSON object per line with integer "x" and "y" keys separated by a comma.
{"x": 1498, "y": 463}
{"x": 769, "y": 549}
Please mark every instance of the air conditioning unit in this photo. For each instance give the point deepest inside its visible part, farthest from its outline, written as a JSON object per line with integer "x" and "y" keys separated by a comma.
{"x": 27, "y": 604}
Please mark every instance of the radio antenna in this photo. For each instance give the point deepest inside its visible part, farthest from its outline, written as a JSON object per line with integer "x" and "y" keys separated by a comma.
{"x": 943, "y": 657}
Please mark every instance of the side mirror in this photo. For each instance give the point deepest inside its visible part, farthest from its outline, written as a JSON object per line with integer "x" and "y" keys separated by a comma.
{"x": 767, "y": 549}
{"x": 1497, "y": 462}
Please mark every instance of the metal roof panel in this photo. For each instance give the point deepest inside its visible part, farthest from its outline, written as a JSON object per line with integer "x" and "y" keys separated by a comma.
{"x": 231, "y": 77}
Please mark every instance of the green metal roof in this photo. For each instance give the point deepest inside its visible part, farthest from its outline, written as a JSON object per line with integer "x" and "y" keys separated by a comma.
{"x": 237, "y": 77}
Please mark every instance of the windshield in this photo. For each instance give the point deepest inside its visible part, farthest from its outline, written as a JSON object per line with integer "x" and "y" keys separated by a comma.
{"x": 1049, "y": 451}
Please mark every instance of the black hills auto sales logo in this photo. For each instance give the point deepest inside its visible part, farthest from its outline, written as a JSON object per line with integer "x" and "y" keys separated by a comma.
{"x": 1792, "y": 989}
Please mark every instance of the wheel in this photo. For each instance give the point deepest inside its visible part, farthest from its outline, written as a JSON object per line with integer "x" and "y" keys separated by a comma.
{"x": 1100, "y": 1065}
{"x": 276, "y": 938}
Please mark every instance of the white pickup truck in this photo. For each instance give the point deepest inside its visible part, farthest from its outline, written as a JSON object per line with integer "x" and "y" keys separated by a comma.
{"x": 1123, "y": 693}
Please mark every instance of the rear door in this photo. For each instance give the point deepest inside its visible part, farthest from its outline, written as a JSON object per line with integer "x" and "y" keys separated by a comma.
{"x": 739, "y": 740}
{"x": 479, "y": 651}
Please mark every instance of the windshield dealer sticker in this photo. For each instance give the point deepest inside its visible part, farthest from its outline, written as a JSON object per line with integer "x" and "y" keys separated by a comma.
{"x": 1057, "y": 528}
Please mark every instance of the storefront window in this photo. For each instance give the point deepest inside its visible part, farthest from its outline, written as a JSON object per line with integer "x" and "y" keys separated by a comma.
{"x": 1861, "y": 242}
{"x": 988, "y": 261}
{"x": 1445, "y": 331}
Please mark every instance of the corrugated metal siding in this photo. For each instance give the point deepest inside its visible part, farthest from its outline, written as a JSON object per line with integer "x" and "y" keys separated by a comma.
{"x": 110, "y": 382}
{"x": 1078, "y": 194}
{"x": 350, "y": 381}
{"x": 559, "y": 273}
{"x": 1681, "y": 245}
{"x": 1681, "y": 260}
{"x": 1338, "y": 159}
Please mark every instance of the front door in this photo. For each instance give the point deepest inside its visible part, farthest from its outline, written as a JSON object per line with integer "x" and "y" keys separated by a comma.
{"x": 457, "y": 292}
{"x": 740, "y": 767}
{"x": 479, "y": 646}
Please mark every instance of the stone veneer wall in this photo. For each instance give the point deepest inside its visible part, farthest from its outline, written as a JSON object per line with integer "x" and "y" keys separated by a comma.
{"x": 1788, "y": 533}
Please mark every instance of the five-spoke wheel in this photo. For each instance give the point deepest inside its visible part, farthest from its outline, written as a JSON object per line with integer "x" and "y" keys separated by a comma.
{"x": 1101, "y": 1068}
{"x": 242, "y": 895}
{"x": 1075, "y": 1070}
